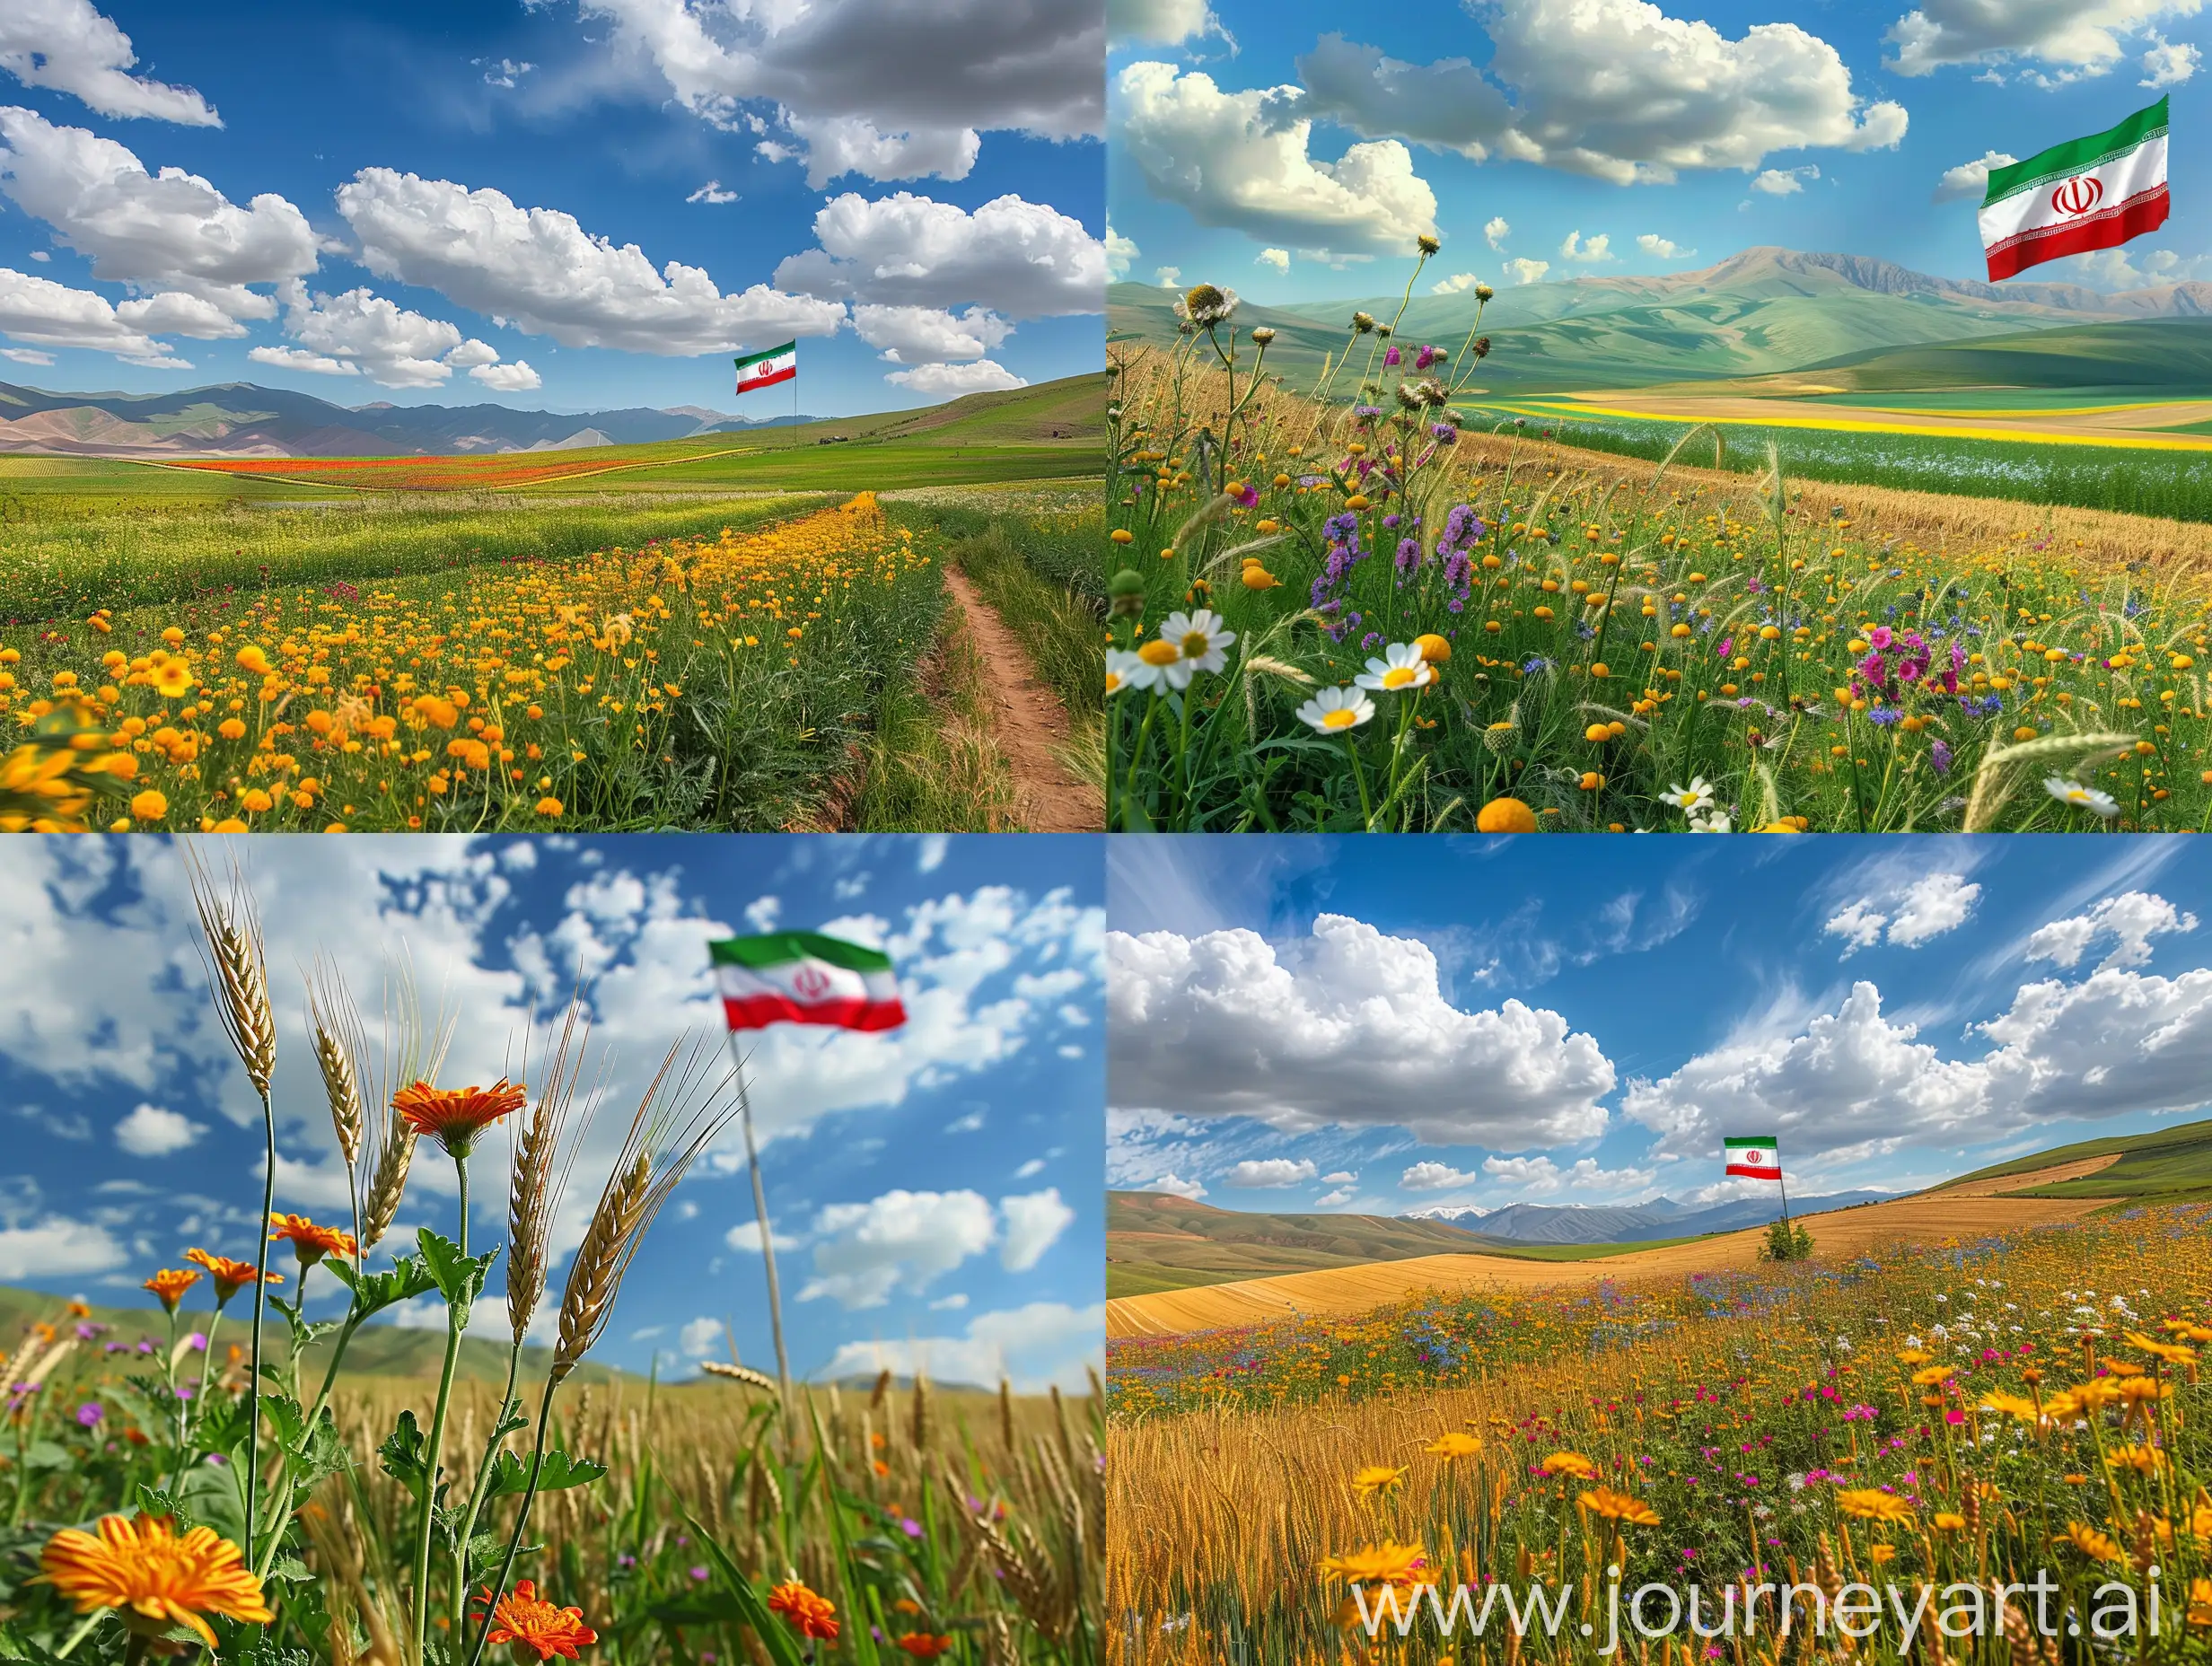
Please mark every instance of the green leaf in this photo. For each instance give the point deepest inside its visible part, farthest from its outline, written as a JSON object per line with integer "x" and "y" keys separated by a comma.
{"x": 405, "y": 1280}
{"x": 47, "y": 1455}
{"x": 460, "y": 1277}
{"x": 403, "y": 1455}
{"x": 319, "y": 1453}
{"x": 225, "y": 1422}
{"x": 510, "y": 1474}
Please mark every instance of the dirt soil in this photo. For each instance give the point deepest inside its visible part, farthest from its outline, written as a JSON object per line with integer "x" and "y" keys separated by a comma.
{"x": 1028, "y": 724}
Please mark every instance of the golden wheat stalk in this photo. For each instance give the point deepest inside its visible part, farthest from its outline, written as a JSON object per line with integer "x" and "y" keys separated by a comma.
{"x": 237, "y": 970}
{"x": 738, "y": 1373}
{"x": 533, "y": 1190}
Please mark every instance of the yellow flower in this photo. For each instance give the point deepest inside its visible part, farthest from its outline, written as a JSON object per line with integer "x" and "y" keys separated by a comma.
{"x": 548, "y": 806}
{"x": 2138, "y": 1459}
{"x": 1453, "y": 1444}
{"x": 2097, "y": 1547}
{"x": 1934, "y": 1375}
{"x": 1376, "y": 1477}
{"x": 1386, "y": 1564}
{"x": 1619, "y": 1507}
{"x": 1571, "y": 1463}
{"x": 154, "y": 1578}
{"x": 149, "y": 806}
{"x": 1949, "y": 1520}
{"x": 172, "y": 680}
{"x": 1871, "y": 1503}
{"x": 2015, "y": 1405}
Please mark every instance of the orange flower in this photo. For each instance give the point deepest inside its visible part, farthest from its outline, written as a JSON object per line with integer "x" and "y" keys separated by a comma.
{"x": 152, "y": 1577}
{"x": 533, "y": 1628}
{"x": 923, "y": 1647}
{"x": 454, "y": 1116}
{"x": 230, "y": 1275}
{"x": 169, "y": 1284}
{"x": 811, "y": 1616}
{"x": 310, "y": 1242}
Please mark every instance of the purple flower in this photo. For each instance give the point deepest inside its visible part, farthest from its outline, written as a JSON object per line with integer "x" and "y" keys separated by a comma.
{"x": 1393, "y": 358}
{"x": 1939, "y": 758}
{"x": 700, "y": 1573}
{"x": 1726, "y": 642}
{"x": 197, "y": 1342}
{"x": 89, "y": 1414}
{"x": 910, "y": 1528}
{"x": 1249, "y": 496}
{"x": 1879, "y": 638}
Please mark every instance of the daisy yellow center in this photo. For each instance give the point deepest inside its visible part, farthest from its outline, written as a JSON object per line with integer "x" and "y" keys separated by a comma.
{"x": 1113, "y": 681}
{"x": 1343, "y": 717}
{"x": 1399, "y": 676}
{"x": 1159, "y": 652}
{"x": 1197, "y": 645}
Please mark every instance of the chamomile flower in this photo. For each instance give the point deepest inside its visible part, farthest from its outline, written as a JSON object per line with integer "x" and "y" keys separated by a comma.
{"x": 1333, "y": 709}
{"x": 1198, "y": 639}
{"x": 1692, "y": 799}
{"x": 1400, "y": 668}
{"x": 1125, "y": 669}
{"x": 2082, "y": 797}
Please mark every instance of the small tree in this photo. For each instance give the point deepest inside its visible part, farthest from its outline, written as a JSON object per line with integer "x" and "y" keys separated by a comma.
{"x": 1787, "y": 1241}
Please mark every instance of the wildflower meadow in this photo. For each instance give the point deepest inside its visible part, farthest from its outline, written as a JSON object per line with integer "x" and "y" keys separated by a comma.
{"x": 1937, "y": 1420}
{"x": 221, "y": 1485}
{"x": 1361, "y": 606}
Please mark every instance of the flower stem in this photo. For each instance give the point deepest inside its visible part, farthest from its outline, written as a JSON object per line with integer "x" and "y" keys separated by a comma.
{"x": 455, "y": 1321}
{"x": 261, "y": 1289}
{"x": 476, "y": 1493}
{"x": 522, "y": 1519}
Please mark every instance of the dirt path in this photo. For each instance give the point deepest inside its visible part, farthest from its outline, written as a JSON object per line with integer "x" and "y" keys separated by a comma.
{"x": 1028, "y": 724}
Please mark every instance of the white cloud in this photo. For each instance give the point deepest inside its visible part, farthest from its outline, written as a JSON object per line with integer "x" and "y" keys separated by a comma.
{"x": 68, "y": 46}
{"x": 1783, "y": 182}
{"x": 2132, "y": 919}
{"x": 154, "y": 1131}
{"x": 390, "y": 344}
{"x": 700, "y": 1337}
{"x": 1346, "y": 1026}
{"x": 712, "y": 192}
{"x": 1121, "y": 254}
{"x": 1495, "y": 230}
{"x": 834, "y": 145}
{"x": 1601, "y": 87}
{"x": 1167, "y": 276}
{"x": 301, "y": 359}
{"x": 900, "y": 1242}
{"x": 948, "y": 65}
{"x": 1043, "y": 1345}
{"x": 2118, "y": 268}
{"x": 1240, "y": 161}
{"x": 1970, "y": 178}
{"x": 26, "y": 356}
{"x": 952, "y": 380}
{"x": 745, "y": 1236}
{"x": 1175, "y": 1188}
{"x": 762, "y": 913}
{"x": 1664, "y": 248}
{"x": 515, "y": 378}
{"x": 1433, "y": 1176}
{"x": 1590, "y": 253}
{"x": 929, "y": 335}
{"x": 1033, "y": 1223}
{"x": 930, "y": 852}
{"x": 1455, "y": 284}
{"x": 1539, "y": 1176}
{"x": 1333, "y": 1199}
{"x": 1342, "y": 1177}
{"x": 48, "y": 314}
{"x": 1527, "y": 271}
{"x": 2169, "y": 63}
{"x": 1020, "y": 258}
{"x": 502, "y": 72}
{"x": 1259, "y": 1173}
{"x": 540, "y": 271}
{"x": 1279, "y": 258}
{"x": 171, "y": 231}
{"x": 1910, "y": 915}
{"x": 1158, "y": 23}
{"x": 173, "y": 312}
{"x": 57, "y": 1246}
{"x": 2075, "y": 38}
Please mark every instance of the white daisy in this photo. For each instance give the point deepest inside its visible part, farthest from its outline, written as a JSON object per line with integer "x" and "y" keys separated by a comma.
{"x": 1401, "y": 667}
{"x": 1333, "y": 709}
{"x": 1717, "y": 822}
{"x": 1157, "y": 665}
{"x": 1199, "y": 638}
{"x": 2082, "y": 797}
{"x": 1692, "y": 799}
{"x": 1124, "y": 670}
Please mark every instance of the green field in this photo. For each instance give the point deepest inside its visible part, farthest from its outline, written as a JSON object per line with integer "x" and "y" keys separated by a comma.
{"x": 2163, "y": 1167}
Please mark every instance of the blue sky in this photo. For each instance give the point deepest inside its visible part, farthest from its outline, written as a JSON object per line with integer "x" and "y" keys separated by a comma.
{"x": 1384, "y": 1025}
{"x": 934, "y": 1192}
{"x": 1293, "y": 150}
{"x": 925, "y": 175}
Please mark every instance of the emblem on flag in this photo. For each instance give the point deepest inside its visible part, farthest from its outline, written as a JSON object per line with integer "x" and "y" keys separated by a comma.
{"x": 805, "y": 978}
{"x": 765, "y": 370}
{"x": 1759, "y": 1159}
{"x": 2091, "y": 193}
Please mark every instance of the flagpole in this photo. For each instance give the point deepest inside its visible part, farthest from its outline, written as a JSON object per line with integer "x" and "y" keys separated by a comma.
{"x": 1781, "y": 1179}
{"x": 760, "y": 1214}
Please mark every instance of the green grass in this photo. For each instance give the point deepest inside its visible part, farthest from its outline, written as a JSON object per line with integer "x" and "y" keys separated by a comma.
{"x": 878, "y": 466}
{"x": 2156, "y": 1166}
{"x": 926, "y": 764}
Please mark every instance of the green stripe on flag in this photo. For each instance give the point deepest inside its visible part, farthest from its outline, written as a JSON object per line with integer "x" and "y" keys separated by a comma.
{"x": 773, "y": 353}
{"x": 1766, "y": 1143}
{"x": 781, "y": 948}
{"x": 2076, "y": 156}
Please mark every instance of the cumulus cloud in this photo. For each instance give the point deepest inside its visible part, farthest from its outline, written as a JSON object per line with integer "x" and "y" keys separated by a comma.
{"x": 55, "y": 1247}
{"x": 154, "y": 1131}
{"x": 900, "y": 1242}
{"x": 1037, "y": 1347}
{"x": 1783, "y": 182}
{"x": 2169, "y": 63}
{"x": 1020, "y": 258}
{"x": 1333, "y": 1199}
{"x": 1175, "y": 1187}
{"x": 2074, "y": 38}
{"x": 1590, "y": 253}
{"x": 173, "y": 312}
{"x": 48, "y": 314}
{"x": 539, "y": 270}
{"x": 301, "y": 359}
{"x": 834, "y": 145}
{"x": 1262, "y": 1173}
{"x": 1662, "y": 247}
{"x": 1158, "y": 23}
{"x": 1527, "y": 271}
{"x": 2130, "y": 919}
{"x": 949, "y": 382}
{"x": 1342, "y": 1177}
{"x": 1345, "y": 1026}
{"x": 1241, "y": 161}
{"x": 166, "y": 231}
{"x": 515, "y": 378}
{"x": 929, "y": 335}
{"x": 1121, "y": 253}
{"x": 384, "y": 341}
{"x": 68, "y": 46}
{"x": 1033, "y": 1223}
{"x": 699, "y": 1337}
{"x": 1495, "y": 230}
{"x": 1540, "y": 1177}
{"x": 1907, "y": 914}
{"x": 1455, "y": 284}
{"x": 1971, "y": 179}
{"x": 1279, "y": 258}
{"x": 712, "y": 193}
{"x": 1433, "y": 1176}
{"x": 1611, "y": 88}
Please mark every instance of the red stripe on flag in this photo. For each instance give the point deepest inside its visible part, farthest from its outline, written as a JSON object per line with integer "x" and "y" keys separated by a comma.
{"x": 2145, "y": 212}
{"x": 1756, "y": 1172}
{"x": 756, "y": 1012}
{"x": 767, "y": 381}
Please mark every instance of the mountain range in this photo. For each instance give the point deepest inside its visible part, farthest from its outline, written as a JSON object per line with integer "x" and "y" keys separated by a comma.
{"x": 1629, "y": 1224}
{"x": 1763, "y": 310}
{"x": 244, "y": 419}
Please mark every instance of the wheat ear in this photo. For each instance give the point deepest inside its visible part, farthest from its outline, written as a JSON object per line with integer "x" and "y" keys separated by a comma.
{"x": 535, "y": 1188}
{"x": 237, "y": 971}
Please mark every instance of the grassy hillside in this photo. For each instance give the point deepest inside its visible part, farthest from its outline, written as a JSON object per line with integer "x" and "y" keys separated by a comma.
{"x": 2162, "y": 1167}
{"x": 2167, "y": 353}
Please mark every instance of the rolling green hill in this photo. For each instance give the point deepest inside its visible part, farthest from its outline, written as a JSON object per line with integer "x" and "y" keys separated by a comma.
{"x": 2138, "y": 353}
{"x": 2163, "y": 1166}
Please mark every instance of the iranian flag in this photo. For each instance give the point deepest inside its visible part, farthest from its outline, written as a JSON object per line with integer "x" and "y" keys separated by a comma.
{"x": 765, "y": 370}
{"x": 1758, "y": 1158}
{"x": 804, "y": 978}
{"x": 2094, "y": 193}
